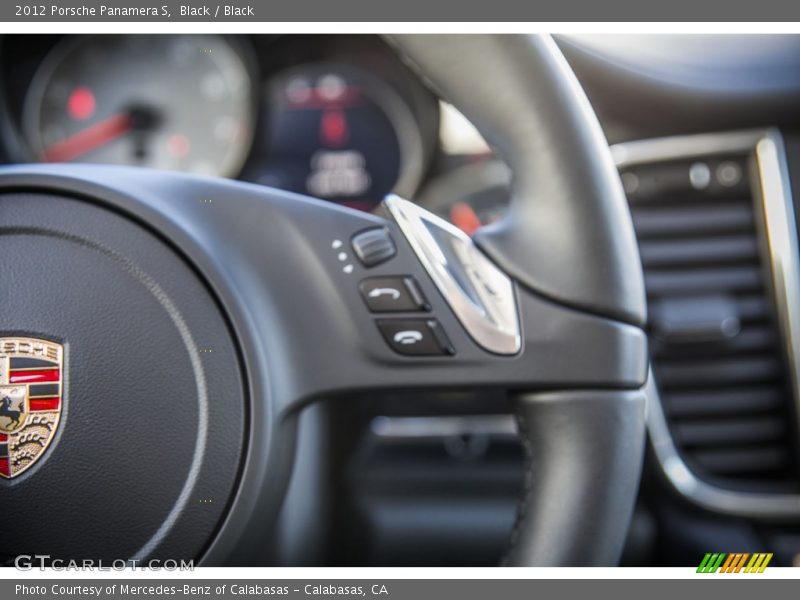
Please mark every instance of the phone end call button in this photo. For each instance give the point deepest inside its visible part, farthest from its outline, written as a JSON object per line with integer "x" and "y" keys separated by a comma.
{"x": 392, "y": 294}
{"x": 415, "y": 337}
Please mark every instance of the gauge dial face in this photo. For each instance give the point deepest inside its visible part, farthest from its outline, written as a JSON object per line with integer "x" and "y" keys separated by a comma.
{"x": 337, "y": 133}
{"x": 180, "y": 103}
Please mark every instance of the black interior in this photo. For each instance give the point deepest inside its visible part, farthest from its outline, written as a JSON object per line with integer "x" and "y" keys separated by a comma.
{"x": 433, "y": 478}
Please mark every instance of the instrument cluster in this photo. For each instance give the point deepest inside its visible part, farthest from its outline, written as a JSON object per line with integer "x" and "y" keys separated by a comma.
{"x": 335, "y": 117}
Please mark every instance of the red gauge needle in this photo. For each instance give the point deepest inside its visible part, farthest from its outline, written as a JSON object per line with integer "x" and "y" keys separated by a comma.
{"x": 89, "y": 139}
{"x": 464, "y": 217}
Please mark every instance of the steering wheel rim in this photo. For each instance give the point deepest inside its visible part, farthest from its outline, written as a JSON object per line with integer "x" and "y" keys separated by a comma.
{"x": 270, "y": 262}
{"x": 568, "y": 199}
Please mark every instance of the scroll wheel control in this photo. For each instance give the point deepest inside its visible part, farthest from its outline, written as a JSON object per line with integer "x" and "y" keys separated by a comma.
{"x": 373, "y": 246}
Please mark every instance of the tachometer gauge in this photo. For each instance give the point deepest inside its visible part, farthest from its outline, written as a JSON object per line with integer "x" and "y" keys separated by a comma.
{"x": 171, "y": 102}
{"x": 336, "y": 132}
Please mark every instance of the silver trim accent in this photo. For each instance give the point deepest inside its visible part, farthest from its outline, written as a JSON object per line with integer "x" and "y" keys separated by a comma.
{"x": 685, "y": 146}
{"x": 488, "y": 309}
{"x": 776, "y": 204}
{"x": 405, "y": 428}
{"x": 781, "y": 229}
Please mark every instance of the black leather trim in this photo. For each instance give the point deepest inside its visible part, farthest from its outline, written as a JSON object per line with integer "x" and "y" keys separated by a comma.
{"x": 569, "y": 234}
{"x": 584, "y": 452}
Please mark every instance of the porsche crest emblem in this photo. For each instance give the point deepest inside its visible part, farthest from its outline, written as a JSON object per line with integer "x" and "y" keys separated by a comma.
{"x": 31, "y": 384}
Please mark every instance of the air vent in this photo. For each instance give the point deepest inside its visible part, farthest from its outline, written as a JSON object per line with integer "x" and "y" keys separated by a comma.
{"x": 717, "y": 352}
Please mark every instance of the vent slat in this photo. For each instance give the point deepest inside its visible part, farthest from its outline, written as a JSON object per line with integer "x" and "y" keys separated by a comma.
{"x": 718, "y": 372}
{"x": 733, "y": 433}
{"x": 677, "y": 222}
{"x": 730, "y": 249}
{"x": 750, "y": 340}
{"x": 716, "y": 403}
{"x": 692, "y": 282}
{"x": 751, "y": 460}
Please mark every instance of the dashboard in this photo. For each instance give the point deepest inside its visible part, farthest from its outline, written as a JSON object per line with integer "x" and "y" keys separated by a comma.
{"x": 341, "y": 118}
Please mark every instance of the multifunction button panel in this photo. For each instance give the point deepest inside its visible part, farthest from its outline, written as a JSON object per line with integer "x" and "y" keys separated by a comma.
{"x": 413, "y": 334}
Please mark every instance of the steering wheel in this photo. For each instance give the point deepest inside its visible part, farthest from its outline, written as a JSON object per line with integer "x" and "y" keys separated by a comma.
{"x": 160, "y": 333}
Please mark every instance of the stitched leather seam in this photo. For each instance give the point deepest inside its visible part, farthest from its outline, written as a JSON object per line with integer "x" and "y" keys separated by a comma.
{"x": 527, "y": 487}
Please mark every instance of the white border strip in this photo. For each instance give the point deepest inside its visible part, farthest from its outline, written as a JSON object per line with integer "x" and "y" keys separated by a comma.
{"x": 399, "y": 27}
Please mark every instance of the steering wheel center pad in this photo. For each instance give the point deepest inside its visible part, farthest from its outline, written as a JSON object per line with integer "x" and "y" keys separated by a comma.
{"x": 147, "y": 455}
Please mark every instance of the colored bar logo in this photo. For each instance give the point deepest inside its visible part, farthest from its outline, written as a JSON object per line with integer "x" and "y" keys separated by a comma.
{"x": 734, "y": 563}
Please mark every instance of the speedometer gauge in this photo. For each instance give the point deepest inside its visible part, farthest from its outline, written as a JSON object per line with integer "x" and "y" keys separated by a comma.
{"x": 337, "y": 132}
{"x": 171, "y": 102}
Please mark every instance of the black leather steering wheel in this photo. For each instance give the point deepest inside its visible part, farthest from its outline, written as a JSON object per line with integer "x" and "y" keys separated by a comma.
{"x": 198, "y": 316}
